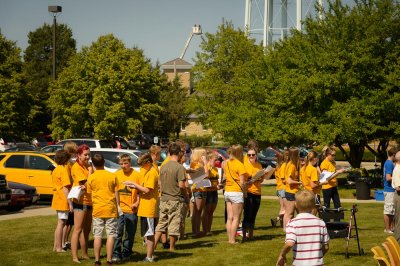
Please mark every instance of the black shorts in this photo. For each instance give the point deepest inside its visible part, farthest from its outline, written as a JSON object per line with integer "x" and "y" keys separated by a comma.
{"x": 289, "y": 196}
{"x": 148, "y": 226}
{"x": 70, "y": 220}
{"x": 212, "y": 197}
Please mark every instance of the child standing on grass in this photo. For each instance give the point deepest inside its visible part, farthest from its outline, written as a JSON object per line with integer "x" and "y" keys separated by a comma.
{"x": 61, "y": 187}
{"x": 103, "y": 186}
{"x": 306, "y": 234}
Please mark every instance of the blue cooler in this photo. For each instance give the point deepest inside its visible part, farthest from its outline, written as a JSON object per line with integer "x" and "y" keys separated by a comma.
{"x": 379, "y": 195}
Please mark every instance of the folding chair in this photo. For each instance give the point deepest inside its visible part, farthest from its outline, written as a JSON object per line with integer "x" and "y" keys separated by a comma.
{"x": 394, "y": 259}
{"x": 381, "y": 261}
{"x": 395, "y": 244}
{"x": 337, "y": 229}
{"x": 378, "y": 251}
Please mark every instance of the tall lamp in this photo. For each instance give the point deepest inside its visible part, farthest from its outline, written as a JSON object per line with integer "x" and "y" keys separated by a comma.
{"x": 55, "y": 10}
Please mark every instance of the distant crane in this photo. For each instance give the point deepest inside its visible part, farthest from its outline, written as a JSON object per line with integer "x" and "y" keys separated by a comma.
{"x": 196, "y": 30}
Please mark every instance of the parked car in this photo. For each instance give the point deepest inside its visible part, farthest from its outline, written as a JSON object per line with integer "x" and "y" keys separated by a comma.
{"x": 29, "y": 168}
{"x": 5, "y": 192}
{"x": 26, "y": 147}
{"x": 113, "y": 155}
{"x": 39, "y": 142}
{"x": 92, "y": 143}
{"x": 121, "y": 143}
{"x": 144, "y": 141}
{"x": 7, "y": 143}
{"x": 52, "y": 148}
{"x": 21, "y": 196}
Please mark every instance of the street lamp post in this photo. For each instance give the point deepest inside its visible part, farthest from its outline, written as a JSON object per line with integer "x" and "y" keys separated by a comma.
{"x": 54, "y": 10}
{"x": 196, "y": 30}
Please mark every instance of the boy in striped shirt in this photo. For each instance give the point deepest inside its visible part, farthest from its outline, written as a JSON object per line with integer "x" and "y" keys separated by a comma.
{"x": 306, "y": 234}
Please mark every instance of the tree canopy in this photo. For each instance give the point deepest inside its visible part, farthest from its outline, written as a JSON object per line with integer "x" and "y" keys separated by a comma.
{"x": 106, "y": 89}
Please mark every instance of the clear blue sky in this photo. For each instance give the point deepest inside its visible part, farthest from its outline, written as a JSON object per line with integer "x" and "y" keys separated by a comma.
{"x": 159, "y": 27}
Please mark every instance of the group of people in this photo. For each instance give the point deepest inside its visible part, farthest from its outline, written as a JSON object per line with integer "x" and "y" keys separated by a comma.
{"x": 161, "y": 197}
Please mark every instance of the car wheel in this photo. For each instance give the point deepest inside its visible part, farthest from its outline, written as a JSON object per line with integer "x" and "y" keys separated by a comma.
{"x": 14, "y": 208}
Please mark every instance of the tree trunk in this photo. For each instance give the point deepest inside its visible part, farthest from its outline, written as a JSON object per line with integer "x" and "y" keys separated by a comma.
{"x": 356, "y": 154}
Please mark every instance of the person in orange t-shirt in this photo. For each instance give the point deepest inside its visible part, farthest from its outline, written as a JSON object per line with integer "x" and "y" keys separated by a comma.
{"x": 61, "y": 187}
{"x": 80, "y": 172}
{"x": 280, "y": 186}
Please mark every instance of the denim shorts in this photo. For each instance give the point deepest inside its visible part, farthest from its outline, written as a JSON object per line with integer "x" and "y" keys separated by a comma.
{"x": 81, "y": 207}
{"x": 200, "y": 194}
{"x": 280, "y": 193}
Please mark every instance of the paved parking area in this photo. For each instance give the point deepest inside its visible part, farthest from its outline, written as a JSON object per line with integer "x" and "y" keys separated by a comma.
{"x": 38, "y": 210}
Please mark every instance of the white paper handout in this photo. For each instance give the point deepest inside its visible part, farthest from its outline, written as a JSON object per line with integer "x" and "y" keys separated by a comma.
{"x": 197, "y": 176}
{"x": 267, "y": 173}
{"x": 326, "y": 176}
{"x": 75, "y": 193}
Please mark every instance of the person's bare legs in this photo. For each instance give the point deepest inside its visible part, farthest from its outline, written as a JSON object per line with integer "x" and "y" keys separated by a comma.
{"x": 86, "y": 227}
{"x": 109, "y": 247}
{"x": 229, "y": 219}
{"x": 196, "y": 218}
{"x": 236, "y": 212}
{"x": 157, "y": 237}
{"x": 97, "y": 248}
{"x": 172, "y": 241}
{"x": 78, "y": 223}
{"x": 388, "y": 221}
{"x": 58, "y": 235}
{"x": 150, "y": 241}
{"x": 207, "y": 217}
{"x": 289, "y": 212}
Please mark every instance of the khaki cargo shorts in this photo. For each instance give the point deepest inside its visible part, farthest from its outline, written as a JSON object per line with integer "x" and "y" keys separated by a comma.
{"x": 110, "y": 224}
{"x": 170, "y": 217}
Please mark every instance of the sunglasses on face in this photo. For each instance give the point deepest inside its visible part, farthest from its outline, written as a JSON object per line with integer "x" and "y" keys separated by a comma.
{"x": 251, "y": 154}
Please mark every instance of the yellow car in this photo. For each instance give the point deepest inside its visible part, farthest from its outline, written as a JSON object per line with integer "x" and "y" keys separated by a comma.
{"x": 29, "y": 168}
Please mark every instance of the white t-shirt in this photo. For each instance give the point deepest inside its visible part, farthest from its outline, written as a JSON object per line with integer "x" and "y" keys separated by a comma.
{"x": 308, "y": 233}
{"x": 396, "y": 176}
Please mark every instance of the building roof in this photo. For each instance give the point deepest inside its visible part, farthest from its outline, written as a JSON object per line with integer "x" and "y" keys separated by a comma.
{"x": 177, "y": 63}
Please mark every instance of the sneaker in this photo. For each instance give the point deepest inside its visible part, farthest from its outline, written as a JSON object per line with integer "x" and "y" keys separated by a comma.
{"x": 388, "y": 231}
{"x": 166, "y": 245}
{"x": 67, "y": 244}
{"x": 115, "y": 259}
{"x": 148, "y": 259}
{"x": 110, "y": 263}
{"x": 97, "y": 263}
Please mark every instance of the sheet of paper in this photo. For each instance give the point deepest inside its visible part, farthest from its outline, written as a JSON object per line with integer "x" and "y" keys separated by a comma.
{"x": 325, "y": 176}
{"x": 75, "y": 193}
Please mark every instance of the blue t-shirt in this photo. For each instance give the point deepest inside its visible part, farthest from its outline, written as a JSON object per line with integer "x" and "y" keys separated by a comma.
{"x": 387, "y": 169}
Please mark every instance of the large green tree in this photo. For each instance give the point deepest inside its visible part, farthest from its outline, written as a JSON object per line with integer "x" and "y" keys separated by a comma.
{"x": 334, "y": 81}
{"x": 37, "y": 67}
{"x": 106, "y": 89}
{"x": 14, "y": 97}
{"x": 226, "y": 74}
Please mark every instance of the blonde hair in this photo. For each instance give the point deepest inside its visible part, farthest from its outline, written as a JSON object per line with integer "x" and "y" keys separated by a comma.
{"x": 144, "y": 158}
{"x": 125, "y": 158}
{"x": 237, "y": 152}
{"x": 294, "y": 155}
{"x": 197, "y": 154}
{"x": 71, "y": 148}
{"x": 310, "y": 156}
{"x": 305, "y": 201}
{"x": 154, "y": 149}
{"x": 211, "y": 155}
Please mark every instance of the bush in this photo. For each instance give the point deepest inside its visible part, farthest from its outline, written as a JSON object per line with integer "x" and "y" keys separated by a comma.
{"x": 198, "y": 141}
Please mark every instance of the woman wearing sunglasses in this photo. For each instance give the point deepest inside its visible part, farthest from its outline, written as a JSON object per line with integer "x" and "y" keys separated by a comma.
{"x": 253, "y": 200}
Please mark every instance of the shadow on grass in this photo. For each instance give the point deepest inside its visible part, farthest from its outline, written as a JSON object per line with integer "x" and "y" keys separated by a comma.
{"x": 196, "y": 244}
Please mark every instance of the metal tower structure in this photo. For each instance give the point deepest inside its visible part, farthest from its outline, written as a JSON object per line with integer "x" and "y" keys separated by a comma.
{"x": 273, "y": 19}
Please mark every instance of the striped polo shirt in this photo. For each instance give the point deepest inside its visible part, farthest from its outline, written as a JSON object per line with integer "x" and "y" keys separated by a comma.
{"x": 308, "y": 233}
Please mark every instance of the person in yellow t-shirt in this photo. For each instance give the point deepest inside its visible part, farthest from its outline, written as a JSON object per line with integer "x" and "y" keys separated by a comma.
{"x": 80, "y": 172}
{"x": 292, "y": 183}
{"x": 103, "y": 186}
{"x": 212, "y": 193}
{"x": 253, "y": 200}
{"x": 329, "y": 190}
{"x": 235, "y": 190}
{"x": 148, "y": 190}
{"x": 311, "y": 180}
{"x": 70, "y": 147}
{"x": 280, "y": 186}
{"x": 60, "y": 203}
{"x": 198, "y": 160}
{"x": 128, "y": 207}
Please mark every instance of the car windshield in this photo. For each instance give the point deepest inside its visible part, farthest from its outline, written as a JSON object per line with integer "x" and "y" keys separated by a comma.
{"x": 111, "y": 165}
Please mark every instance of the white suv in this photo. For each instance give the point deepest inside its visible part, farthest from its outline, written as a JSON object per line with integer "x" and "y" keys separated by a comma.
{"x": 113, "y": 155}
{"x": 6, "y": 143}
{"x": 92, "y": 143}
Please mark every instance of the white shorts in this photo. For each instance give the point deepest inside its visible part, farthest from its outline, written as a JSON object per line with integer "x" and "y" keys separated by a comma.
{"x": 234, "y": 197}
{"x": 388, "y": 207}
{"x": 62, "y": 215}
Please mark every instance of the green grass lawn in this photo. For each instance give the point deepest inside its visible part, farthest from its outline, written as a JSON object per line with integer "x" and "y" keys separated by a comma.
{"x": 29, "y": 241}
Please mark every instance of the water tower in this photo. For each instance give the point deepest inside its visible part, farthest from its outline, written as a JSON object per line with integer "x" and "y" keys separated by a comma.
{"x": 273, "y": 19}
